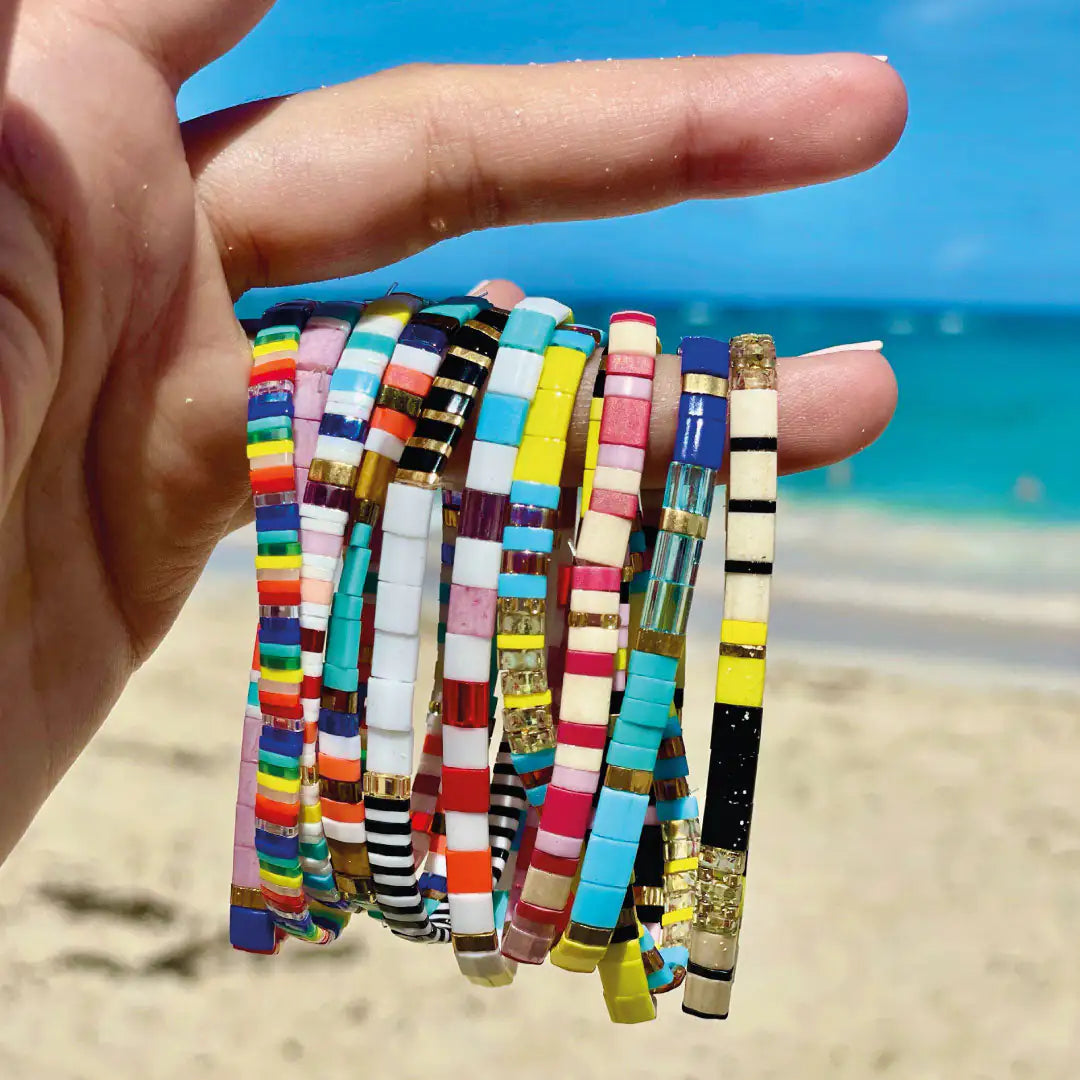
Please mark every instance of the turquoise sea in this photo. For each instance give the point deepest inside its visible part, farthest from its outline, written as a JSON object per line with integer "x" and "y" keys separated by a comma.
{"x": 988, "y": 421}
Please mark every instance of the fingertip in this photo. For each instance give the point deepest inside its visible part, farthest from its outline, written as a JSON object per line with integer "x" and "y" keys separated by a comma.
{"x": 874, "y": 98}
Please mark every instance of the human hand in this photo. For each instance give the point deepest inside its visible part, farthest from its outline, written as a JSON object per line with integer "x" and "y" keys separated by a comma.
{"x": 125, "y": 237}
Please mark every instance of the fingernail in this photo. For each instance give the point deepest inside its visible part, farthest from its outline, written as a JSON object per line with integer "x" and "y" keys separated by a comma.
{"x": 883, "y": 59}
{"x": 479, "y": 287}
{"x": 855, "y": 346}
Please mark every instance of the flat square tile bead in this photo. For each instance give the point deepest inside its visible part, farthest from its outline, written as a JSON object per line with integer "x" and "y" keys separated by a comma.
{"x": 408, "y": 510}
{"x": 477, "y": 563}
{"x": 491, "y": 467}
{"x": 625, "y": 421}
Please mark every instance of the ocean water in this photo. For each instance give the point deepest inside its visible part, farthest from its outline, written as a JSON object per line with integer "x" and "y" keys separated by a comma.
{"x": 988, "y": 420}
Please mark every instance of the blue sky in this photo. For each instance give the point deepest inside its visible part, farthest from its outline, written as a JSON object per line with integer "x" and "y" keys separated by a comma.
{"x": 978, "y": 203}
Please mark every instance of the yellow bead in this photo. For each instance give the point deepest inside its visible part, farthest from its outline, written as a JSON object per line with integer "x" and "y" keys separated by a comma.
{"x": 527, "y": 701}
{"x": 277, "y": 675}
{"x": 274, "y": 446}
{"x": 310, "y": 815}
{"x": 278, "y": 783}
{"x": 540, "y": 460}
{"x": 679, "y": 866}
{"x": 272, "y": 347}
{"x": 279, "y": 562}
{"x": 573, "y": 956}
{"x": 549, "y": 414}
{"x": 740, "y": 681}
{"x": 680, "y": 915}
{"x": 287, "y": 881}
{"x": 562, "y": 370}
{"x": 626, "y": 989}
{"x": 520, "y": 641}
{"x": 743, "y": 633}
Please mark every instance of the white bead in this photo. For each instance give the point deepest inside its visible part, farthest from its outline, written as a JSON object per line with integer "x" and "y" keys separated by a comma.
{"x": 387, "y": 326}
{"x": 471, "y": 913}
{"x": 592, "y": 639}
{"x": 752, "y": 474}
{"x": 317, "y": 613}
{"x": 464, "y": 747}
{"x": 351, "y": 404}
{"x": 311, "y": 710}
{"x": 417, "y": 359}
{"x": 579, "y": 757}
{"x": 467, "y": 658}
{"x": 603, "y": 539}
{"x": 594, "y": 601}
{"x": 516, "y": 372}
{"x": 347, "y": 832}
{"x": 751, "y": 537}
{"x": 363, "y": 359}
{"x": 408, "y": 510}
{"x": 491, "y": 467}
{"x": 397, "y": 608}
{"x": 389, "y": 751}
{"x": 585, "y": 699}
{"x": 344, "y": 747}
{"x": 559, "y": 312}
{"x": 477, "y": 562}
{"x": 753, "y": 414}
{"x": 335, "y": 448}
{"x": 466, "y": 832}
{"x": 403, "y": 559}
{"x": 632, "y": 336}
{"x": 337, "y": 518}
{"x": 746, "y": 597}
{"x": 383, "y": 443}
{"x": 389, "y": 704}
{"x": 611, "y": 479}
{"x": 395, "y": 656}
{"x": 320, "y": 567}
{"x": 311, "y": 663}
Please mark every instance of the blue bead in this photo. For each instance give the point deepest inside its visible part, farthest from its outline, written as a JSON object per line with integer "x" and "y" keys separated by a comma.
{"x": 705, "y": 355}
{"x": 339, "y": 723}
{"x": 364, "y": 339}
{"x": 343, "y": 427}
{"x": 361, "y": 536}
{"x": 281, "y": 847}
{"x": 653, "y": 666}
{"x": 343, "y": 641}
{"x": 282, "y": 516}
{"x": 652, "y": 714}
{"x": 597, "y": 905}
{"x": 278, "y": 741}
{"x": 265, "y": 406}
{"x": 251, "y": 929}
{"x": 640, "y": 735}
{"x": 502, "y": 419}
{"x": 349, "y": 380}
{"x": 668, "y": 768}
{"x": 528, "y": 586}
{"x": 529, "y": 330}
{"x": 530, "y": 493}
{"x": 521, "y": 538}
{"x": 649, "y": 689}
{"x": 677, "y": 809}
{"x": 354, "y": 571}
{"x": 418, "y": 336}
{"x": 462, "y": 308}
{"x": 609, "y": 861}
{"x": 574, "y": 339}
{"x": 676, "y": 956}
{"x": 347, "y": 606}
{"x": 538, "y": 759}
{"x": 340, "y": 678}
{"x": 660, "y": 978}
{"x": 279, "y": 631}
{"x": 630, "y": 757}
{"x": 536, "y": 795}
{"x": 615, "y": 806}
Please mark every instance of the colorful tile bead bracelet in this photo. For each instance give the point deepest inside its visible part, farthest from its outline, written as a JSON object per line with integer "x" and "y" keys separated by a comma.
{"x": 561, "y": 631}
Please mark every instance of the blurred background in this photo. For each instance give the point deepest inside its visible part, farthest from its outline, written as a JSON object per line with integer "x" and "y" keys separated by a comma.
{"x": 914, "y": 897}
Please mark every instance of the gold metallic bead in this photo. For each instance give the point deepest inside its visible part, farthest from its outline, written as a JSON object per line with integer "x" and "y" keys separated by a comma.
{"x": 649, "y": 895}
{"x": 753, "y": 350}
{"x": 412, "y": 478}
{"x": 684, "y": 523}
{"x": 309, "y": 775}
{"x": 401, "y": 401}
{"x": 387, "y": 785}
{"x": 636, "y": 781}
{"x": 525, "y": 562}
{"x": 520, "y": 623}
{"x": 678, "y": 830}
{"x": 470, "y": 943}
{"x": 457, "y": 386}
{"x": 587, "y": 935}
{"x": 471, "y": 355}
{"x": 374, "y": 478}
{"x": 450, "y": 517}
{"x": 591, "y": 618}
{"x": 743, "y": 652}
{"x": 520, "y": 683}
{"x": 489, "y": 331}
{"x": 660, "y": 644}
{"x": 346, "y": 791}
{"x": 327, "y": 696}
{"x": 364, "y": 511}
{"x": 531, "y": 742}
{"x": 674, "y": 787}
{"x": 515, "y": 660}
{"x": 337, "y": 473}
{"x": 349, "y": 859}
{"x": 454, "y": 419}
{"x": 437, "y": 446}
{"x": 246, "y": 897}
{"x": 697, "y": 382}
{"x": 723, "y": 860}
{"x": 652, "y": 961}
{"x": 672, "y": 747}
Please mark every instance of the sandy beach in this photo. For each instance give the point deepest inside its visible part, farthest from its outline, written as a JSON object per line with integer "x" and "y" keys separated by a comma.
{"x": 913, "y": 908}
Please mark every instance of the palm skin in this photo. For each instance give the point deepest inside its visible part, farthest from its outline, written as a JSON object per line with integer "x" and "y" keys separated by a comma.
{"x": 125, "y": 238}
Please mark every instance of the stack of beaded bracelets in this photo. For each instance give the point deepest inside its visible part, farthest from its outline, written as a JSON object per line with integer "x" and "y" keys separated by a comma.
{"x": 353, "y": 413}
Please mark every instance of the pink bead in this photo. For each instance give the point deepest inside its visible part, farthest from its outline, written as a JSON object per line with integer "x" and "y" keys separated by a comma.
{"x": 616, "y": 456}
{"x": 617, "y": 503}
{"x": 596, "y": 578}
{"x": 316, "y": 591}
{"x": 245, "y": 867}
{"x": 573, "y": 779}
{"x": 320, "y": 543}
{"x": 633, "y": 316}
{"x": 471, "y": 611}
{"x": 526, "y": 941}
{"x": 633, "y": 364}
{"x": 249, "y": 747}
{"x": 628, "y": 386}
{"x": 565, "y": 847}
{"x": 248, "y": 782}
{"x": 305, "y": 436}
{"x": 321, "y": 344}
{"x": 566, "y": 812}
{"x": 625, "y": 421}
{"x": 301, "y": 479}
{"x": 310, "y": 396}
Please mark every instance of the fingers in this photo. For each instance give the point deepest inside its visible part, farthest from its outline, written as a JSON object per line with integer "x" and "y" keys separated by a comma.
{"x": 183, "y": 37}
{"x": 9, "y": 10}
{"x": 345, "y": 179}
